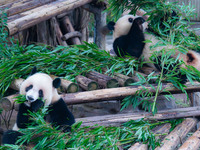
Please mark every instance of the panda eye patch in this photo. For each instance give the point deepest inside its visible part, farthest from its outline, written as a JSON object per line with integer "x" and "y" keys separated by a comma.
{"x": 41, "y": 93}
{"x": 130, "y": 20}
{"x": 28, "y": 88}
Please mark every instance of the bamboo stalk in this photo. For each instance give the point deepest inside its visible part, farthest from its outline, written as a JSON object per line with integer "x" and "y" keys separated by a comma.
{"x": 103, "y": 80}
{"x": 86, "y": 83}
{"x": 177, "y": 135}
{"x": 193, "y": 142}
{"x": 45, "y": 12}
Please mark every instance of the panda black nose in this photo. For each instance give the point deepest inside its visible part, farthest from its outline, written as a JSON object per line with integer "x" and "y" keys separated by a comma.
{"x": 30, "y": 98}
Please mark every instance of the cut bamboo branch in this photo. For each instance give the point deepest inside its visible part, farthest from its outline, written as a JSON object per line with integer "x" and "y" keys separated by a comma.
{"x": 66, "y": 86}
{"x": 69, "y": 28}
{"x": 177, "y": 135}
{"x": 86, "y": 83}
{"x": 16, "y": 84}
{"x": 103, "y": 80}
{"x": 120, "y": 92}
{"x": 123, "y": 80}
{"x": 7, "y": 103}
{"x": 45, "y": 12}
{"x": 118, "y": 119}
{"x": 71, "y": 35}
{"x": 193, "y": 142}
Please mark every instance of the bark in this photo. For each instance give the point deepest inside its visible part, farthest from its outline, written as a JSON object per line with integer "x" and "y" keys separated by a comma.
{"x": 43, "y": 13}
{"x": 86, "y": 83}
{"x": 193, "y": 142}
{"x": 120, "y": 92}
{"x": 123, "y": 80}
{"x": 103, "y": 80}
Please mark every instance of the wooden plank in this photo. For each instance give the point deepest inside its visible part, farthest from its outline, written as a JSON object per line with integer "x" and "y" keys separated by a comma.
{"x": 118, "y": 119}
{"x": 45, "y": 12}
{"x": 193, "y": 142}
{"x": 177, "y": 135}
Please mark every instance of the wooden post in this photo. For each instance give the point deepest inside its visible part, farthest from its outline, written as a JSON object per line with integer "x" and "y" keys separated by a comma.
{"x": 100, "y": 21}
{"x": 15, "y": 84}
{"x": 69, "y": 28}
{"x": 8, "y": 103}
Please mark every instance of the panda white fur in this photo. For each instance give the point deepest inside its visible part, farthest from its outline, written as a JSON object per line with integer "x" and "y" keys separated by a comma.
{"x": 122, "y": 28}
{"x": 36, "y": 87}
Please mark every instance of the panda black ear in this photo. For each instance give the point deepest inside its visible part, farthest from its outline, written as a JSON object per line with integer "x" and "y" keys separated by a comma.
{"x": 111, "y": 25}
{"x": 33, "y": 71}
{"x": 56, "y": 82}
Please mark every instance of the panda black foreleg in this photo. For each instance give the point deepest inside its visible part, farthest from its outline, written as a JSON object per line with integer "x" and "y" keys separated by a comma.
{"x": 23, "y": 118}
{"x": 11, "y": 137}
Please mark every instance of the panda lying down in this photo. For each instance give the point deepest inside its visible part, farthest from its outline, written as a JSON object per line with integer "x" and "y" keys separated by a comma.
{"x": 36, "y": 87}
{"x": 129, "y": 37}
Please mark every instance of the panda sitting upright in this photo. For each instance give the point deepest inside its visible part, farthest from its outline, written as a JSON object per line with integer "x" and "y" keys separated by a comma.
{"x": 123, "y": 31}
{"x": 36, "y": 87}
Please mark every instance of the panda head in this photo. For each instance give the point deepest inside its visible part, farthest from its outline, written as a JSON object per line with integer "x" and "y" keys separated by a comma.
{"x": 40, "y": 86}
{"x": 123, "y": 25}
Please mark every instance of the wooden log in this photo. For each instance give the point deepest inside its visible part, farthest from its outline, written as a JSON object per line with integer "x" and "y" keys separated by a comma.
{"x": 69, "y": 28}
{"x": 24, "y": 5}
{"x": 66, "y": 85}
{"x": 160, "y": 130}
{"x": 193, "y": 142}
{"x": 71, "y": 35}
{"x": 118, "y": 119}
{"x": 120, "y": 92}
{"x": 138, "y": 146}
{"x": 16, "y": 84}
{"x": 177, "y": 135}
{"x": 123, "y": 80}
{"x": 86, "y": 83}
{"x": 103, "y": 80}
{"x": 45, "y": 12}
{"x": 8, "y": 103}
{"x": 59, "y": 34}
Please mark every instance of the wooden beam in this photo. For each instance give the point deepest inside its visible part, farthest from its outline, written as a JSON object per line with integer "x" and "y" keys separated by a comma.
{"x": 121, "y": 92}
{"x": 24, "y": 5}
{"x": 118, "y": 119}
{"x": 43, "y": 13}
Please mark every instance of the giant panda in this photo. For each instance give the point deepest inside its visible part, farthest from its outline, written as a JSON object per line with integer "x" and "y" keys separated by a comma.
{"x": 36, "y": 88}
{"x": 123, "y": 28}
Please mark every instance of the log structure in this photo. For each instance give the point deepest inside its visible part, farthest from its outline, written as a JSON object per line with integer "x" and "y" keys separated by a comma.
{"x": 50, "y": 20}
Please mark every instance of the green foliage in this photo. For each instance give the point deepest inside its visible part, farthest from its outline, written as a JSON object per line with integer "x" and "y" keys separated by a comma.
{"x": 44, "y": 136}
